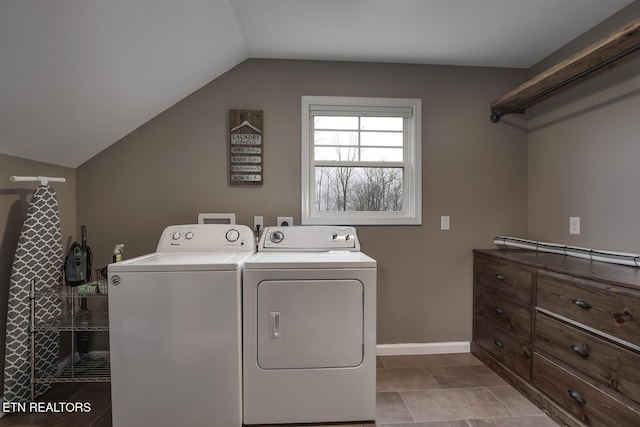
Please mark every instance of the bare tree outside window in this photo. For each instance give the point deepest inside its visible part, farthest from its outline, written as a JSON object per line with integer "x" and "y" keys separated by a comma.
{"x": 349, "y": 188}
{"x": 379, "y": 190}
{"x": 354, "y": 151}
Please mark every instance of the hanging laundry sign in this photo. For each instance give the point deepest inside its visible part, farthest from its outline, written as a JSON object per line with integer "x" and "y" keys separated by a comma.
{"x": 246, "y": 148}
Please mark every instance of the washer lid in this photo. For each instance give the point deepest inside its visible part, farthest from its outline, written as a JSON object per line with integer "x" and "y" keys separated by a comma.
{"x": 329, "y": 259}
{"x": 182, "y": 261}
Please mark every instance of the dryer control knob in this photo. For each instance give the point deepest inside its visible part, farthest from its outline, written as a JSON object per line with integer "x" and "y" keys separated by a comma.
{"x": 176, "y": 235}
{"x": 277, "y": 236}
{"x": 232, "y": 235}
{"x": 189, "y": 235}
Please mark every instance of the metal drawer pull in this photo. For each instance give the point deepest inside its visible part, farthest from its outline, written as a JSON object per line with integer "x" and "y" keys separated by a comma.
{"x": 498, "y": 343}
{"x": 582, "y": 304}
{"x": 577, "y": 397}
{"x": 499, "y": 311}
{"x": 500, "y": 277}
{"x": 581, "y": 351}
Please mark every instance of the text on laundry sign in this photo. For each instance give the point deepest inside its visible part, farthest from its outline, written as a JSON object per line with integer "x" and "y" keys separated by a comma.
{"x": 254, "y": 178}
{"x": 246, "y": 168}
{"x": 246, "y": 159}
{"x": 246, "y": 150}
{"x": 246, "y": 139}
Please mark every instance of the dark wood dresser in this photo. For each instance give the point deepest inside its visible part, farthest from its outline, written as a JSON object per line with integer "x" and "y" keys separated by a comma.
{"x": 564, "y": 331}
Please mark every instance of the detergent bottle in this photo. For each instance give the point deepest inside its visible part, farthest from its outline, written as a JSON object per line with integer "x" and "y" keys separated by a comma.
{"x": 117, "y": 252}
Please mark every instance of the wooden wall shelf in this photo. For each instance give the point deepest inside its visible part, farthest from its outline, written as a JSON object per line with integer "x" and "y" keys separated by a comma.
{"x": 619, "y": 46}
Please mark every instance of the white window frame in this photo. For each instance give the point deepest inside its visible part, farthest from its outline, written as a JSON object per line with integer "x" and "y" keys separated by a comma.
{"x": 412, "y": 162}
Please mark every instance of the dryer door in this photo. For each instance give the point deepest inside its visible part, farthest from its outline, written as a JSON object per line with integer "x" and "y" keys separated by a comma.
{"x": 310, "y": 324}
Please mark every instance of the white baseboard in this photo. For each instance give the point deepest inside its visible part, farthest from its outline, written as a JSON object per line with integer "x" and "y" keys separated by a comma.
{"x": 405, "y": 349}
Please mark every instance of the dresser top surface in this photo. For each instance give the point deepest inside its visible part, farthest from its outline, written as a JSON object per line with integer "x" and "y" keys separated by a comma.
{"x": 594, "y": 270}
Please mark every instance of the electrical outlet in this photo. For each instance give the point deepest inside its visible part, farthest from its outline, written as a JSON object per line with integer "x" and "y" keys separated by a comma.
{"x": 445, "y": 222}
{"x": 574, "y": 225}
{"x": 285, "y": 221}
{"x": 258, "y": 221}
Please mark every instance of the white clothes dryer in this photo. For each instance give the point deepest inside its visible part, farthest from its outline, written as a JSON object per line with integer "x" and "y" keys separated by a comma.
{"x": 309, "y": 327}
{"x": 175, "y": 329}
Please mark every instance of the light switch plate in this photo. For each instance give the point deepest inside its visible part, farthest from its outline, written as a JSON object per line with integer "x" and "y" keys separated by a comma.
{"x": 445, "y": 223}
{"x": 574, "y": 225}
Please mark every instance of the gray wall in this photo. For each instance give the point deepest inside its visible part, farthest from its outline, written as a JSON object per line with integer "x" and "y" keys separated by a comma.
{"x": 175, "y": 166}
{"x": 14, "y": 200}
{"x": 584, "y": 154}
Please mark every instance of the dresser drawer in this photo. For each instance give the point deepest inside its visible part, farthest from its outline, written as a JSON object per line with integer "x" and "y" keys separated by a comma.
{"x": 509, "y": 351}
{"x": 613, "y": 366}
{"x": 507, "y": 279}
{"x": 607, "y": 308}
{"x": 590, "y": 405}
{"x": 511, "y": 318}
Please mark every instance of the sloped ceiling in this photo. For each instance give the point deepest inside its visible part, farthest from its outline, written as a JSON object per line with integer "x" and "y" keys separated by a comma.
{"x": 78, "y": 75}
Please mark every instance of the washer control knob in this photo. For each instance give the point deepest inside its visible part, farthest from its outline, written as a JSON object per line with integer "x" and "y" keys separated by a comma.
{"x": 334, "y": 236}
{"x": 176, "y": 235}
{"x": 232, "y": 235}
{"x": 277, "y": 236}
{"x": 189, "y": 235}
{"x": 347, "y": 237}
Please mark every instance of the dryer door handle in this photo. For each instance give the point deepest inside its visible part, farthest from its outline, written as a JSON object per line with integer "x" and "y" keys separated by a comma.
{"x": 274, "y": 324}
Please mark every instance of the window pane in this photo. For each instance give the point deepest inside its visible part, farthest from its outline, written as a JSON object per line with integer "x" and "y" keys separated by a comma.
{"x": 335, "y": 138}
{"x": 336, "y": 153}
{"x": 393, "y": 139}
{"x": 335, "y": 122}
{"x": 358, "y": 189}
{"x": 381, "y": 154}
{"x": 381, "y": 123}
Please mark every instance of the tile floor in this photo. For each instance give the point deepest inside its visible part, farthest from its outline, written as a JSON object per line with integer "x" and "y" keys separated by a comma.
{"x": 445, "y": 390}
{"x": 449, "y": 390}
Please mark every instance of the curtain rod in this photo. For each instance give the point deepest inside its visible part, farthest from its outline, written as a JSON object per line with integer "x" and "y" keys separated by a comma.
{"x": 43, "y": 180}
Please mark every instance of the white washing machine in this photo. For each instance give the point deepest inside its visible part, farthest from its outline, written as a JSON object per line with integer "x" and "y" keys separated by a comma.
{"x": 309, "y": 327}
{"x": 175, "y": 329}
